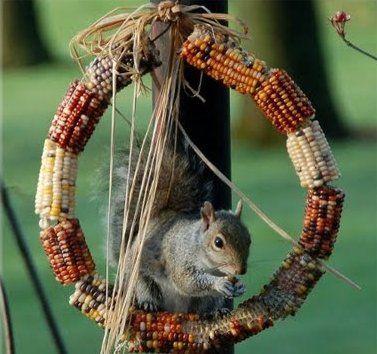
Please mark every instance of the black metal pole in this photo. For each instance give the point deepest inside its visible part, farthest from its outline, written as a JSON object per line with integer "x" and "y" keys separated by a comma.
{"x": 31, "y": 269}
{"x": 207, "y": 123}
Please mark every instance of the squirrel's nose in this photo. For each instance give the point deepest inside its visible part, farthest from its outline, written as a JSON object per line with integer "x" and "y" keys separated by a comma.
{"x": 241, "y": 270}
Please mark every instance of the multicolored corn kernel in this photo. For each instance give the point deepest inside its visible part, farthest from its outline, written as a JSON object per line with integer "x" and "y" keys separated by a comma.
{"x": 76, "y": 118}
{"x": 311, "y": 156}
{"x": 282, "y": 102}
{"x": 55, "y": 196}
{"x": 222, "y": 59}
{"x": 67, "y": 251}
{"x": 99, "y": 74}
{"x": 322, "y": 219}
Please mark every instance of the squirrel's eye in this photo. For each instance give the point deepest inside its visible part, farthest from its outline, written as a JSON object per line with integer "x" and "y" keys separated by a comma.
{"x": 219, "y": 243}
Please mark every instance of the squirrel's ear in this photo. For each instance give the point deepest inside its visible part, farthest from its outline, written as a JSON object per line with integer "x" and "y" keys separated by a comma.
{"x": 239, "y": 209}
{"x": 207, "y": 213}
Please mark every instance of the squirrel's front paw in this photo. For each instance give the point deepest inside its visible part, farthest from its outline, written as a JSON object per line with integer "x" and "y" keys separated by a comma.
{"x": 228, "y": 288}
{"x": 239, "y": 288}
{"x": 224, "y": 287}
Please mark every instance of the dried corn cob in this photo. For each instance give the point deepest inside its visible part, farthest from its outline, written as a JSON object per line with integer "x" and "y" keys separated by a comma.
{"x": 221, "y": 58}
{"x": 85, "y": 102}
{"x": 69, "y": 110}
{"x": 44, "y": 190}
{"x": 311, "y": 156}
{"x": 55, "y": 196}
{"x": 322, "y": 219}
{"x": 86, "y": 124}
{"x": 291, "y": 284}
{"x": 99, "y": 74}
{"x": 90, "y": 297}
{"x": 282, "y": 102}
{"x": 76, "y": 118}
{"x": 69, "y": 256}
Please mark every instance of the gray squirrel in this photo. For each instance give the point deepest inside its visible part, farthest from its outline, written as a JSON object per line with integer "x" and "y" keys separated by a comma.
{"x": 192, "y": 254}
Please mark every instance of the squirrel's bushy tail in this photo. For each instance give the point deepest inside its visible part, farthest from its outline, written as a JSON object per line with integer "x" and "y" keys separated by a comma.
{"x": 181, "y": 187}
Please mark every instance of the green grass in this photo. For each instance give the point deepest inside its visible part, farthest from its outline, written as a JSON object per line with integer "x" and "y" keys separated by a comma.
{"x": 335, "y": 319}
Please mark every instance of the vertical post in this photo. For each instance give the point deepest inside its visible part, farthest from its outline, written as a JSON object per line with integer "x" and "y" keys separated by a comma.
{"x": 207, "y": 123}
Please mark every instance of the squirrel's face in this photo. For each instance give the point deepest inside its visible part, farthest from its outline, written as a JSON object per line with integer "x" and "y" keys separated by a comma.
{"x": 226, "y": 241}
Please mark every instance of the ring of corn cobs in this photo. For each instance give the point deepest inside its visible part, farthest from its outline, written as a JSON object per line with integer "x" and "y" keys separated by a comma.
{"x": 290, "y": 112}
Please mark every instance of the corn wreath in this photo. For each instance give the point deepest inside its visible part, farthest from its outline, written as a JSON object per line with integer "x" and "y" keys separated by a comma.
{"x": 219, "y": 55}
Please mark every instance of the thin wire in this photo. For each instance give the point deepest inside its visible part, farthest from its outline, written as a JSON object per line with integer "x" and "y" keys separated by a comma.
{"x": 7, "y": 321}
{"x": 31, "y": 269}
{"x": 162, "y": 33}
{"x": 130, "y": 123}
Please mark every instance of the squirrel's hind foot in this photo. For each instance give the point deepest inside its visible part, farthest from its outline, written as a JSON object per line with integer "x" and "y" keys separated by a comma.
{"x": 219, "y": 313}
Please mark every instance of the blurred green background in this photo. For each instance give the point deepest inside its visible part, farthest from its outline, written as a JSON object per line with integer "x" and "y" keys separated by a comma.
{"x": 336, "y": 318}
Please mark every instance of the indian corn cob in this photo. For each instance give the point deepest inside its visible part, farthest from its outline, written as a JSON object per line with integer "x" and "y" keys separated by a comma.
{"x": 322, "y": 219}
{"x": 86, "y": 101}
{"x": 283, "y": 102}
{"x": 55, "y": 196}
{"x": 311, "y": 156}
{"x": 222, "y": 59}
{"x": 99, "y": 74}
{"x": 90, "y": 297}
{"x": 68, "y": 253}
